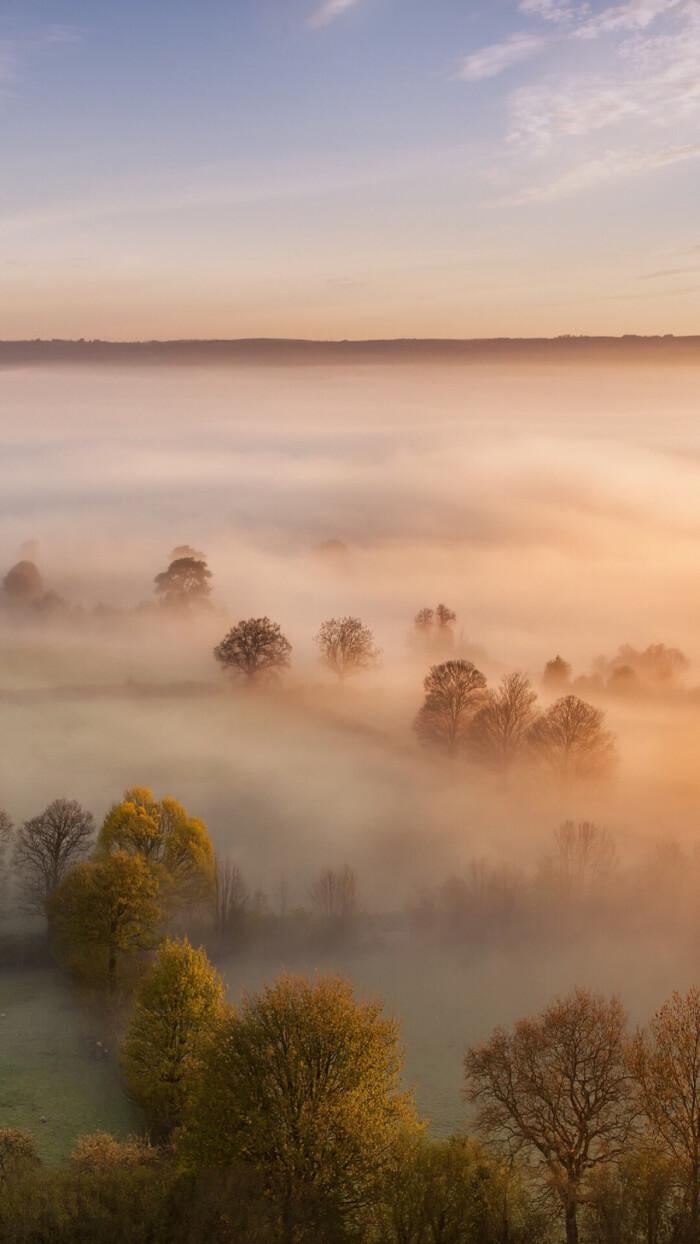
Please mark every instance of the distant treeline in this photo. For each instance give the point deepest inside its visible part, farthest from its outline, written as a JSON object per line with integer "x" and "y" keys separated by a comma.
{"x": 284, "y": 352}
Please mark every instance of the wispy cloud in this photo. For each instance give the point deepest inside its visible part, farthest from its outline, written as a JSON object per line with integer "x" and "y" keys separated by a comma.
{"x": 665, "y": 272}
{"x": 634, "y": 15}
{"x": 654, "y": 80}
{"x": 609, "y": 167}
{"x": 559, "y": 11}
{"x": 488, "y": 62}
{"x": 328, "y": 11}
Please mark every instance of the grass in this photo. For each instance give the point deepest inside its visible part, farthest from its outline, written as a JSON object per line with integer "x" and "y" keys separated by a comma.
{"x": 51, "y": 1083}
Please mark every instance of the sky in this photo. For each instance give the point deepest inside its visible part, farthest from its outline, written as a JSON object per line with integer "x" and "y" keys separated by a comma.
{"x": 349, "y": 168}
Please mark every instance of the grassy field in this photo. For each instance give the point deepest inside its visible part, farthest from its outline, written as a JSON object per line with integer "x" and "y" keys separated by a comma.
{"x": 50, "y": 1080}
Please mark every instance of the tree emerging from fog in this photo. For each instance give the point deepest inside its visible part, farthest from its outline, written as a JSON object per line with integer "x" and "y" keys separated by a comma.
{"x": 232, "y": 898}
{"x": 186, "y": 582}
{"x": 454, "y": 692}
{"x": 572, "y": 739}
{"x": 23, "y": 583}
{"x": 347, "y": 646}
{"x": 557, "y": 1088}
{"x": 583, "y": 860}
{"x": 5, "y": 840}
{"x": 433, "y": 627}
{"x": 557, "y": 674}
{"x": 255, "y": 649}
{"x": 334, "y": 893}
{"x": 499, "y": 732}
{"x": 47, "y": 847}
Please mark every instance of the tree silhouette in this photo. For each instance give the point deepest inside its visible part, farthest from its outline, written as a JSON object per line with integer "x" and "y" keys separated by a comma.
{"x": 185, "y": 583}
{"x": 557, "y": 674}
{"x": 583, "y": 859}
{"x": 334, "y": 894}
{"x": 571, "y": 738}
{"x": 557, "y": 1087}
{"x": 255, "y": 649}
{"x": 47, "y": 846}
{"x": 454, "y": 691}
{"x": 499, "y": 731}
{"x": 434, "y": 626}
{"x": 23, "y": 584}
{"x": 347, "y": 646}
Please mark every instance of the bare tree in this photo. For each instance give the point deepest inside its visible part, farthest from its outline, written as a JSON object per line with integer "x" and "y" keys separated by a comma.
{"x": 454, "y": 692}
{"x": 572, "y": 739}
{"x": 47, "y": 847}
{"x": 186, "y": 581}
{"x": 347, "y": 646}
{"x": 5, "y": 840}
{"x": 231, "y": 897}
{"x": 584, "y": 859}
{"x": 255, "y": 649}
{"x": 334, "y": 894}
{"x": 665, "y": 1062}
{"x": 557, "y": 1087}
{"x": 498, "y": 735}
{"x": 557, "y": 674}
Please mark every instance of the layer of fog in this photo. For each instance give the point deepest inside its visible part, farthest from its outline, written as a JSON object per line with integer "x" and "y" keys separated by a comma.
{"x": 554, "y": 510}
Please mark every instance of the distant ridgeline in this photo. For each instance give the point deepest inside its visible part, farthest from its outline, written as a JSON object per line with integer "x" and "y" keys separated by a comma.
{"x": 284, "y": 352}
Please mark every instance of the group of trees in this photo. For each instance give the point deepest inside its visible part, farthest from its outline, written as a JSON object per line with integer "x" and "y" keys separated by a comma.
{"x": 183, "y": 588}
{"x": 500, "y": 728}
{"x": 632, "y": 670}
{"x": 256, "y": 650}
{"x": 284, "y": 1119}
{"x": 460, "y": 714}
{"x": 106, "y": 896}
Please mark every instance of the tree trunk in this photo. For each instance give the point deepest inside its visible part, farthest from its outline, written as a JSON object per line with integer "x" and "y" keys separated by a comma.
{"x": 112, "y": 971}
{"x": 571, "y": 1222}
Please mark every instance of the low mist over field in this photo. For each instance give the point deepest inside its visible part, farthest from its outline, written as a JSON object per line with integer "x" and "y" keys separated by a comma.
{"x": 549, "y": 505}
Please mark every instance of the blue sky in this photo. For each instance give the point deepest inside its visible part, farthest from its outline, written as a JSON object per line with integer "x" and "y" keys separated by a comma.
{"x": 349, "y": 167}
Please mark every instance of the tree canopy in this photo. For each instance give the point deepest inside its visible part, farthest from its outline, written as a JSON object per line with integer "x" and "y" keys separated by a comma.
{"x": 499, "y": 732}
{"x": 177, "y": 1004}
{"x": 557, "y": 1087}
{"x": 104, "y": 914}
{"x": 175, "y": 844}
{"x": 454, "y": 691}
{"x": 572, "y": 739}
{"x": 302, "y": 1084}
{"x": 186, "y": 582}
{"x": 347, "y": 646}
{"x": 255, "y": 649}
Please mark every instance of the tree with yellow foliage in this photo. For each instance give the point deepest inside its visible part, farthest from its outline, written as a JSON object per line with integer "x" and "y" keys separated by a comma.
{"x": 175, "y": 845}
{"x": 302, "y": 1087}
{"x": 178, "y": 1003}
{"x": 104, "y": 914}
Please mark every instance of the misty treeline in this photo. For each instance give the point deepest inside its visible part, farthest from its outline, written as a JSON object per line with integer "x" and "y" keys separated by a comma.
{"x": 56, "y": 867}
{"x": 258, "y": 649}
